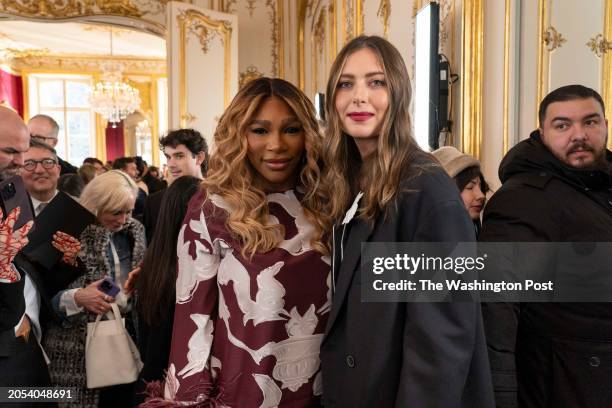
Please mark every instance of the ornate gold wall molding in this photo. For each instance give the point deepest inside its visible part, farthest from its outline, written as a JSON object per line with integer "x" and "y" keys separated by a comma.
{"x": 204, "y": 28}
{"x": 506, "y": 90}
{"x": 333, "y": 29}
{"x": 88, "y": 64}
{"x": 185, "y": 19}
{"x": 359, "y": 23}
{"x": 383, "y": 14}
{"x": 553, "y": 39}
{"x": 301, "y": 21}
{"x": 317, "y": 42}
{"x": 472, "y": 58}
{"x": 606, "y": 79}
{"x": 599, "y": 45}
{"x": 280, "y": 43}
{"x": 348, "y": 17}
{"x": 250, "y": 74}
{"x": 275, "y": 34}
{"x": 543, "y": 54}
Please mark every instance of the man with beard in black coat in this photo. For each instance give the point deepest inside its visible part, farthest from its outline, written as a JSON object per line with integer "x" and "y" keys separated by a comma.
{"x": 556, "y": 188}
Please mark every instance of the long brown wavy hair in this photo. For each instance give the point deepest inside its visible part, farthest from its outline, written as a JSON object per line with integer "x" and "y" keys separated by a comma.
{"x": 231, "y": 175}
{"x": 378, "y": 175}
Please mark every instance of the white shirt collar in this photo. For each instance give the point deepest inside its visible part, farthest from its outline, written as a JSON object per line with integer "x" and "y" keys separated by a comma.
{"x": 36, "y": 203}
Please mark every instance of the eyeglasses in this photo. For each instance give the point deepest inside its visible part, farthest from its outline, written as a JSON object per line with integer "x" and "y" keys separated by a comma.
{"x": 43, "y": 138}
{"x": 48, "y": 164}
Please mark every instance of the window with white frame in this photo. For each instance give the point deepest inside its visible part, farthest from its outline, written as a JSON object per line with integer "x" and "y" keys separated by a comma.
{"x": 66, "y": 99}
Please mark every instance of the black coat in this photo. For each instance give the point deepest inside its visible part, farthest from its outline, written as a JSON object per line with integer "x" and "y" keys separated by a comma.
{"x": 150, "y": 212}
{"x": 405, "y": 354}
{"x": 12, "y": 308}
{"x": 66, "y": 168}
{"x": 549, "y": 354}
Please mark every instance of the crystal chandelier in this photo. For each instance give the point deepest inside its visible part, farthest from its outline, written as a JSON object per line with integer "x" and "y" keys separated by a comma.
{"x": 112, "y": 98}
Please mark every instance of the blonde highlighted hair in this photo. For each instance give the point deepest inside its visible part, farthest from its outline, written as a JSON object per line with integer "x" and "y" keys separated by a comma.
{"x": 108, "y": 192}
{"x": 380, "y": 174}
{"x": 231, "y": 175}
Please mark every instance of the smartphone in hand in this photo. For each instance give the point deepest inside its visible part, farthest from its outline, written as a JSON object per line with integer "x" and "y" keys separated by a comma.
{"x": 108, "y": 287}
{"x": 14, "y": 194}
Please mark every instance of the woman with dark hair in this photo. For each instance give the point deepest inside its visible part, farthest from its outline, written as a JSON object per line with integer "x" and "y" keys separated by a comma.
{"x": 386, "y": 189}
{"x": 71, "y": 184}
{"x": 156, "y": 283}
{"x": 465, "y": 170}
{"x": 253, "y": 281}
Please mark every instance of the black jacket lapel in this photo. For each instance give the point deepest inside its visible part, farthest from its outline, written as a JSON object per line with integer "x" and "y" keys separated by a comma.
{"x": 359, "y": 233}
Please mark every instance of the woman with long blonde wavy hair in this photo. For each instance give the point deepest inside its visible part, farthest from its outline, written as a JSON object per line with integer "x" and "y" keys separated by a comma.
{"x": 386, "y": 189}
{"x": 253, "y": 285}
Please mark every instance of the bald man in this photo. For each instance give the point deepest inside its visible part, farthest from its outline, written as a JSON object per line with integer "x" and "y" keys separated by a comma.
{"x": 21, "y": 359}
{"x": 45, "y": 129}
{"x": 14, "y": 139}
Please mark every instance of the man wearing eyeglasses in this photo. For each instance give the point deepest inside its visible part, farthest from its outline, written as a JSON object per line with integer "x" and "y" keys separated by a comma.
{"x": 45, "y": 129}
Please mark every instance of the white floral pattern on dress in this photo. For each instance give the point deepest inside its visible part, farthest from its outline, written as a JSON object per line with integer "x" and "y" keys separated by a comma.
{"x": 211, "y": 273}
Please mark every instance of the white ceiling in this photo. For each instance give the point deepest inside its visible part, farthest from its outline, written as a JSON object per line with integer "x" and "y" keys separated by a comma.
{"x": 77, "y": 38}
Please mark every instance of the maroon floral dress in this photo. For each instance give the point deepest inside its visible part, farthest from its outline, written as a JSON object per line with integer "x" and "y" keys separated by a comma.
{"x": 247, "y": 331}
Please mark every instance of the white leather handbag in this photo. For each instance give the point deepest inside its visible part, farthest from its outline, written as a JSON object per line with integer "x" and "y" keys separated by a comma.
{"x": 111, "y": 357}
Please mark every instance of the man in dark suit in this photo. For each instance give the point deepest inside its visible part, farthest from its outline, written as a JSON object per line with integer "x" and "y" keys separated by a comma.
{"x": 186, "y": 153}
{"x": 45, "y": 129}
{"x": 16, "y": 346}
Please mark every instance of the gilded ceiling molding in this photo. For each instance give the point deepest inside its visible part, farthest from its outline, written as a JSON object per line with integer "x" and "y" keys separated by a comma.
{"x": 48, "y": 8}
{"x": 472, "y": 15}
{"x": 118, "y": 7}
{"x": 88, "y": 63}
{"x": 82, "y": 9}
{"x": 69, "y": 8}
{"x": 13, "y": 53}
{"x": 383, "y": 13}
{"x": 204, "y": 25}
{"x": 250, "y": 74}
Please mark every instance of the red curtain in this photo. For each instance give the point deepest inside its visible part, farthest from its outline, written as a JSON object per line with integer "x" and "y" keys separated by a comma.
{"x": 115, "y": 146}
{"x": 11, "y": 91}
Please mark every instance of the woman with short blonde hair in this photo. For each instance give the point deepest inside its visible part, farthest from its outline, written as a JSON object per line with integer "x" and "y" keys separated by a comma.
{"x": 111, "y": 248}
